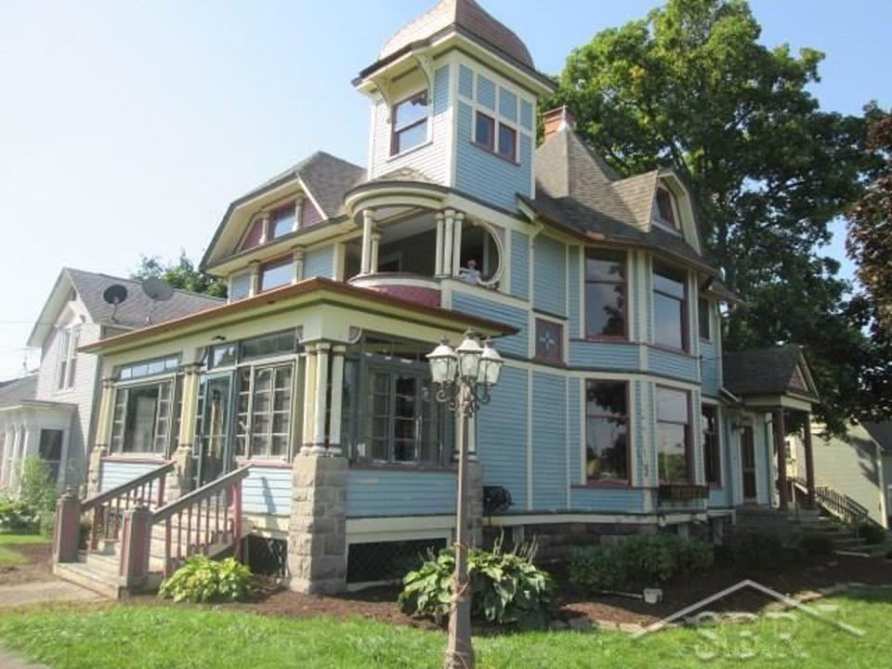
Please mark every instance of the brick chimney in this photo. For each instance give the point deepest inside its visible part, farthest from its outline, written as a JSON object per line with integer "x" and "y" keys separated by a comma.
{"x": 557, "y": 120}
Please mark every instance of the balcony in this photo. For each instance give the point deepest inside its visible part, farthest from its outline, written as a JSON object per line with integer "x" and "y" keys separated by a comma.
{"x": 407, "y": 286}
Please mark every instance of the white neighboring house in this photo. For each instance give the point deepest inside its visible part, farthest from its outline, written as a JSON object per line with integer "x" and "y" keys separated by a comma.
{"x": 49, "y": 413}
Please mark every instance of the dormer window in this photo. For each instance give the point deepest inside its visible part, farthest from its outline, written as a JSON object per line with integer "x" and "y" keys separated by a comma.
{"x": 409, "y": 119}
{"x": 282, "y": 221}
{"x": 665, "y": 210}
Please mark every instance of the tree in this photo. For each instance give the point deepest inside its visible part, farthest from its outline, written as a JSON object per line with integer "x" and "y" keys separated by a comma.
{"x": 869, "y": 242}
{"x": 181, "y": 274}
{"x": 691, "y": 88}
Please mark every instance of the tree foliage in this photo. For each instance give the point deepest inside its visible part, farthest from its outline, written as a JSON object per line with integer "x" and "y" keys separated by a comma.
{"x": 870, "y": 227}
{"x": 690, "y": 87}
{"x": 181, "y": 274}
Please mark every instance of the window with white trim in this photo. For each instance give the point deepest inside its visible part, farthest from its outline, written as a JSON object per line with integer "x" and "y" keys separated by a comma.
{"x": 143, "y": 417}
{"x": 68, "y": 343}
{"x": 409, "y": 123}
{"x": 263, "y": 411}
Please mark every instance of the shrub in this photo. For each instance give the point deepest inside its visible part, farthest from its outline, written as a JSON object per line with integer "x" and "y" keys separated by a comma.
{"x": 872, "y": 534}
{"x": 201, "y": 579}
{"x": 815, "y": 544}
{"x": 757, "y": 550}
{"x": 640, "y": 560}
{"x": 507, "y": 588}
{"x": 15, "y": 515}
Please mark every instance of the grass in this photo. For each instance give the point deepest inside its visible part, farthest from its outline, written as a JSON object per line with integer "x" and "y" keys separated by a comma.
{"x": 9, "y": 557}
{"x": 186, "y": 637}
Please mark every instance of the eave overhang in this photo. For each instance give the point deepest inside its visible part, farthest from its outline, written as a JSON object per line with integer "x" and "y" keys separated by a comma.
{"x": 374, "y": 194}
{"x": 302, "y": 294}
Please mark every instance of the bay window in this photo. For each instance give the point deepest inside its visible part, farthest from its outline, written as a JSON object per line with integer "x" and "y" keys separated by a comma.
{"x": 712, "y": 462}
{"x": 704, "y": 313}
{"x": 496, "y": 137}
{"x": 605, "y": 294}
{"x": 276, "y": 273}
{"x": 409, "y": 119}
{"x": 670, "y": 307}
{"x": 673, "y": 435}
{"x": 606, "y": 431}
{"x": 240, "y": 286}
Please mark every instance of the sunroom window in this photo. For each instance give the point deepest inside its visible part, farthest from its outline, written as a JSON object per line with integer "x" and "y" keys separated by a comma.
{"x": 673, "y": 435}
{"x": 409, "y": 119}
{"x": 263, "y": 414}
{"x": 143, "y": 418}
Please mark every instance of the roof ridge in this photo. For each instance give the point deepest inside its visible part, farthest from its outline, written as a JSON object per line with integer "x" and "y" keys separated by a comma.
{"x": 138, "y": 282}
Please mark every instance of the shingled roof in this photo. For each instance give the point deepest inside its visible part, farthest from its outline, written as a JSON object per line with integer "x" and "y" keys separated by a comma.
{"x": 466, "y": 15}
{"x": 768, "y": 371}
{"x": 14, "y": 392}
{"x": 882, "y": 434}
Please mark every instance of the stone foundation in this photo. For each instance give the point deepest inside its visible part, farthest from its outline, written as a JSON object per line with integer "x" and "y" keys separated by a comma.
{"x": 317, "y": 536}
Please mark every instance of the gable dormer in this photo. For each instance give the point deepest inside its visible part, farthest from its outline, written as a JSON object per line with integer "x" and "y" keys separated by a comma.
{"x": 454, "y": 96}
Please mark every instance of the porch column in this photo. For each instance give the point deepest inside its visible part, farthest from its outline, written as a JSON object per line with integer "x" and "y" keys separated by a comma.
{"x": 180, "y": 481}
{"x": 456, "y": 244}
{"x": 321, "y": 407}
{"x": 809, "y": 463}
{"x": 376, "y": 244}
{"x": 449, "y": 228}
{"x": 780, "y": 435}
{"x": 307, "y": 430}
{"x": 298, "y": 264}
{"x": 368, "y": 224}
{"x": 255, "y": 277}
{"x": 337, "y": 391}
{"x": 438, "y": 252}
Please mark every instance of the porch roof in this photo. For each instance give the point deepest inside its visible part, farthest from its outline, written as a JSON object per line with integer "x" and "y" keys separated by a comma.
{"x": 770, "y": 372}
{"x": 316, "y": 290}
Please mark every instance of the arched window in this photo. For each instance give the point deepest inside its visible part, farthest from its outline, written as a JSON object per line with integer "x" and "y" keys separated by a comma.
{"x": 666, "y": 210}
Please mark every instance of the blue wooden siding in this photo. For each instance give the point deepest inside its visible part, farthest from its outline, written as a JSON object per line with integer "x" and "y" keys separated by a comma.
{"x": 507, "y": 104}
{"x": 115, "y": 473}
{"x": 441, "y": 90}
{"x": 516, "y": 345}
{"x": 604, "y": 355}
{"x": 709, "y": 365}
{"x": 526, "y": 114}
{"x": 485, "y": 175}
{"x": 573, "y": 290}
{"x": 502, "y": 436}
{"x": 549, "y": 442}
{"x": 372, "y": 493}
{"x": 466, "y": 82}
{"x": 267, "y": 490}
{"x": 574, "y": 429}
{"x": 676, "y": 365}
{"x": 319, "y": 262}
{"x": 486, "y": 92}
{"x": 520, "y": 264}
{"x": 549, "y": 275}
{"x": 617, "y": 500}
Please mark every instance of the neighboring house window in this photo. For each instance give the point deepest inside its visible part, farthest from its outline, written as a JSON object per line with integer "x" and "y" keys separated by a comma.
{"x": 142, "y": 419}
{"x": 409, "y": 119}
{"x": 240, "y": 286}
{"x": 711, "y": 456}
{"x": 282, "y": 221}
{"x": 673, "y": 435}
{"x": 605, "y": 293}
{"x": 704, "y": 319}
{"x": 276, "y": 273}
{"x": 50, "y": 451}
{"x": 665, "y": 209}
{"x": 606, "y": 431}
{"x": 68, "y": 343}
{"x": 254, "y": 236}
{"x": 670, "y": 307}
{"x": 404, "y": 426}
{"x": 263, "y": 411}
{"x": 485, "y": 136}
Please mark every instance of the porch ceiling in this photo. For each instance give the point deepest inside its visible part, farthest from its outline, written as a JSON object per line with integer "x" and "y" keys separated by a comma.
{"x": 310, "y": 292}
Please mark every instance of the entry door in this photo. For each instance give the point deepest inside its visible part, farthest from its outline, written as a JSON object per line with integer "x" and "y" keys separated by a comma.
{"x": 748, "y": 463}
{"x": 215, "y": 452}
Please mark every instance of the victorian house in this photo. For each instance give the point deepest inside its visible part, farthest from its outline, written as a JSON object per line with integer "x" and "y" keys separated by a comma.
{"x": 300, "y": 415}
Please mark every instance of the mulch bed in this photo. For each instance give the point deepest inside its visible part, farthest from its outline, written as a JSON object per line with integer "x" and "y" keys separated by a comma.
{"x": 380, "y": 603}
{"x": 39, "y": 566}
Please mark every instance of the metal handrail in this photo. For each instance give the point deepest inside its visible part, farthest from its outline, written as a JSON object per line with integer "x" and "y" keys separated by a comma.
{"x": 124, "y": 488}
{"x": 839, "y": 504}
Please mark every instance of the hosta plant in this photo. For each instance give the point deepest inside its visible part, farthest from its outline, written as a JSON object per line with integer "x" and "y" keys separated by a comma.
{"x": 201, "y": 579}
{"x": 507, "y": 588}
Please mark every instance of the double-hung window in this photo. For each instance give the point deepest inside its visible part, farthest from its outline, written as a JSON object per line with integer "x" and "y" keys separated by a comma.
{"x": 68, "y": 343}
{"x": 670, "y": 307}
{"x": 282, "y": 221}
{"x": 673, "y": 435}
{"x": 606, "y": 431}
{"x": 276, "y": 273}
{"x": 605, "y": 294}
{"x": 498, "y": 137}
{"x": 712, "y": 462}
{"x": 409, "y": 123}
{"x": 50, "y": 451}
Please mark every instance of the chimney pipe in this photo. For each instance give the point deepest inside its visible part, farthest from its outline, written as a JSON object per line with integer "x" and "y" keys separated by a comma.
{"x": 558, "y": 119}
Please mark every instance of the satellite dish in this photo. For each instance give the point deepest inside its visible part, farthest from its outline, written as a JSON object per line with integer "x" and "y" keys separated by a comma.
{"x": 114, "y": 295}
{"x": 157, "y": 289}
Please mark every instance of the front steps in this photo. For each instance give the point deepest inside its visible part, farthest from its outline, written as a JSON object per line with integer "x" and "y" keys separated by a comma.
{"x": 796, "y": 523}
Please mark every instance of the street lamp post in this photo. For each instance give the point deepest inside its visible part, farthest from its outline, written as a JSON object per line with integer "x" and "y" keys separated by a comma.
{"x": 463, "y": 379}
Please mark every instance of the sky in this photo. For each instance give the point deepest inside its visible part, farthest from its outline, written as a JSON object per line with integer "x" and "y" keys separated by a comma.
{"x": 126, "y": 128}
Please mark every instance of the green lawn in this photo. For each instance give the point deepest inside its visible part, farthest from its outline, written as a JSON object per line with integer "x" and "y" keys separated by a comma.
{"x": 8, "y": 555}
{"x": 166, "y": 637}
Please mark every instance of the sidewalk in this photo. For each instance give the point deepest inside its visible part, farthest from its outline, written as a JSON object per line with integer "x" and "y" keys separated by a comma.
{"x": 43, "y": 592}
{"x": 9, "y": 661}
